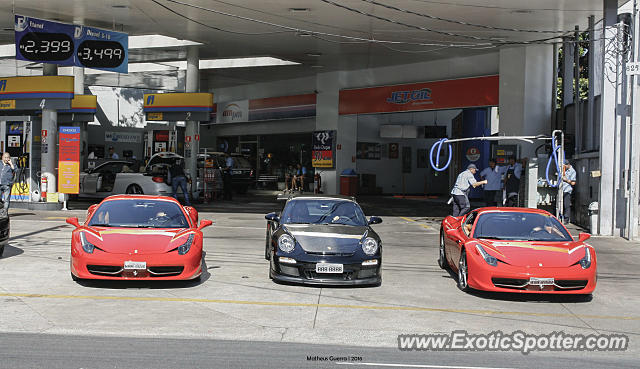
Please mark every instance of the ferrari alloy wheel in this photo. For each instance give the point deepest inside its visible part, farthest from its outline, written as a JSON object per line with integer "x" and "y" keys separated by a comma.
{"x": 442, "y": 259}
{"x": 134, "y": 189}
{"x": 463, "y": 272}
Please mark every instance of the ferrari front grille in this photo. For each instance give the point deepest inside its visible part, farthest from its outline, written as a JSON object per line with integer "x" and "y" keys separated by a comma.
{"x": 509, "y": 282}
{"x": 163, "y": 271}
{"x": 571, "y": 284}
{"x": 104, "y": 269}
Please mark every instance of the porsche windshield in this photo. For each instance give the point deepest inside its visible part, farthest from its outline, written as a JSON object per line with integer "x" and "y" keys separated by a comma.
{"x": 520, "y": 227}
{"x": 319, "y": 211}
{"x": 139, "y": 214}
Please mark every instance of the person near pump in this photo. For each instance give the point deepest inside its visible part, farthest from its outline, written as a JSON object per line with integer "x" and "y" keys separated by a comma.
{"x": 179, "y": 179}
{"x": 113, "y": 154}
{"x": 493, "y": 176}
{"x": 227, "y": 178}
{"x": 461, "y": 188}
{"x": 289, "y": 175}
{"x": 298, "y": 179}
{"x": 568, "y": 181}
{"x": 7, "y": 175}
{"x": 511, "y": 175}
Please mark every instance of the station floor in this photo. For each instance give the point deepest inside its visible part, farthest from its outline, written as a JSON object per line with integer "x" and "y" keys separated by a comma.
{"x": 237, "y": 301}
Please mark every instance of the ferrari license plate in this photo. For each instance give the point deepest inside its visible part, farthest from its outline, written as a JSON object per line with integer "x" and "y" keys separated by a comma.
{"x": 137, "y": 265}
{"x": 541, "y": 281}
{"x": 329, "y": 268}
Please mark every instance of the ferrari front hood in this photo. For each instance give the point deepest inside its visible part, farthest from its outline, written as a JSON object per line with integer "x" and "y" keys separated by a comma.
{"x": 137, "y": 241}
{"x": 536, "y": 254}
{"x": 327, "y": 238}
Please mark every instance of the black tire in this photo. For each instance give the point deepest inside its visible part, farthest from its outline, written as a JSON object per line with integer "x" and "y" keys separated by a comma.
{"x": 134, "y": 189}
{"x": 442, "y": 255}
{"x": 1, "y": 250}
{"x": 463, "y": 272}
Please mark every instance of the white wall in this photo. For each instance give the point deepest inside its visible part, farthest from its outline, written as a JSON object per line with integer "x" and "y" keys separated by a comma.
{"x": 389, "y": 171}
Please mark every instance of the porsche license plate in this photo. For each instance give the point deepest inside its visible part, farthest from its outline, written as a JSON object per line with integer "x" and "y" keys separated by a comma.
{"x": 137, "y": 265}
{"x": 329, "y": 268}
{"x": 541, "y": 281}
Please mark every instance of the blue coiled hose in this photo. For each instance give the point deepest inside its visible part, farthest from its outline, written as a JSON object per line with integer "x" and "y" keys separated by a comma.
{"x": 439, "y": 145}
{"x": 554, "y": 157}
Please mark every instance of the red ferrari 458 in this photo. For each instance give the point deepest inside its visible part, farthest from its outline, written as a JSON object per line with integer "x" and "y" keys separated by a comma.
{"x": 138, "y": 237}
{"x": 516, "y": 250}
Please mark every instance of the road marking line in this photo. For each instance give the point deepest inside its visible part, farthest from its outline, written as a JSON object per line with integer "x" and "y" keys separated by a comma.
{"x": 419, "y": 366}
{"x": 335, "y": 306}
{"x": 421, "y": 225}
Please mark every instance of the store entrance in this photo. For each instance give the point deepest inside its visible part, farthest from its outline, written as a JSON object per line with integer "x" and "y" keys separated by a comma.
{"x": 280, "y": 151}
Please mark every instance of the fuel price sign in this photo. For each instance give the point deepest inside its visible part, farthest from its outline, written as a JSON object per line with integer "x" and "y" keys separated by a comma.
{"x": 43, "y": 41}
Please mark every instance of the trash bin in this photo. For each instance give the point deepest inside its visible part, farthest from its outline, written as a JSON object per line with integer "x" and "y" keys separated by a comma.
{"x": 593, "y": 217}
{"x": 348, "y": 182}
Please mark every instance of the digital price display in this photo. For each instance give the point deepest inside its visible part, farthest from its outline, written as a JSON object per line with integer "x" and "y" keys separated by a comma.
{"x": 44, "y": 41}
{"x": 101, "y": 54}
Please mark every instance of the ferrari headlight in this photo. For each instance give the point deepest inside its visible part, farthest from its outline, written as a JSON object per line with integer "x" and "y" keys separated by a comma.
{"x": 286, "y": 243}
{"x": 485, "y": 255}
{"x": 585, "y": 262}
{"x": 87, "y": 246}
{"x": 185, "y": 247}
{"x": 370, "y": 246}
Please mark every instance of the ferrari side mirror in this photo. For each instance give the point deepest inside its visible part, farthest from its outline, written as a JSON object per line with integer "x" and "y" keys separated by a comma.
{"x": 583, "y": 237}
{"x": 204, "y": 223}
{"x": 73, "y": 221}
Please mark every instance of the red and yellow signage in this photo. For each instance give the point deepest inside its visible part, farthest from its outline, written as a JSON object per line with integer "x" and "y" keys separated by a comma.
{"x": 69, "y": 160}
{"x": 82, "y": 104}
{"x": 449, "y": 94}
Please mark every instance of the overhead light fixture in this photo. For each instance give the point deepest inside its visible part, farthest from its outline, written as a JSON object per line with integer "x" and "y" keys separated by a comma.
{"x": 299, "y": 10}
{"x": 304, "y": 34}
{"x": 522, "y": 11}
{"x": 158, "y": 41}
{"x": 317, "y": 66}
{"x": 314, "y": 55}
{"x": 120, "y": 6}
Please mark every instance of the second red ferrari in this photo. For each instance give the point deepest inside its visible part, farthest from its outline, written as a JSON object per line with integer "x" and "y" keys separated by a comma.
{"x": 516, "y": 250}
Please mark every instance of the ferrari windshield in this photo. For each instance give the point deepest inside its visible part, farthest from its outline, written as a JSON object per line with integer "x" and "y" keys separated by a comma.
{"x": 520, "y": 227}
{"x": 139, "y": 213}
{"x": 323, "y": 211}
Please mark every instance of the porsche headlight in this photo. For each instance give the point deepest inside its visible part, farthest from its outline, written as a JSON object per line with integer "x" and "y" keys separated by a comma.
{"x": 485, "y": 255}
{"x": 87, "y": 246}
{"x": 585, "y": 262}
{"x": 286, "y": 243}
{"x": 370, "y": 246}
{"x": 185, "y": 247}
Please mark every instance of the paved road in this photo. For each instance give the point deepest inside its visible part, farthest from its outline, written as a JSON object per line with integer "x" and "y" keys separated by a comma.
{"x": 18, "y": 350}
{"x": 237, "y": 302}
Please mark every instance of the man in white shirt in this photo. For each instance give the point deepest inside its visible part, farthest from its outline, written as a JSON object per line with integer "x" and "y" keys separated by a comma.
{"x": 494, "y": 183}
{"x": 460, "y": 191}
{"x": 112, "y": 153}
{"x": 568, "y": 181}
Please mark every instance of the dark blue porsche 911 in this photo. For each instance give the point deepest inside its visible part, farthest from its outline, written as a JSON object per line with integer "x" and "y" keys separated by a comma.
{"x": 323, "y": 240}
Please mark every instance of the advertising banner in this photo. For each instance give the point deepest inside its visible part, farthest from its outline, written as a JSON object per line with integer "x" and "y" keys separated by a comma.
{"x": 128, "y": 137}
{"x": 323, "y": 149}
{"x": 449, "y": 94}
{"x": 69, "y": 160}
{"x": 43, "y": 41}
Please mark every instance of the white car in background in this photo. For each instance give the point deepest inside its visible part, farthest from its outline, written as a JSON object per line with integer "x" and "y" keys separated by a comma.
{"x": 115, "y": 177}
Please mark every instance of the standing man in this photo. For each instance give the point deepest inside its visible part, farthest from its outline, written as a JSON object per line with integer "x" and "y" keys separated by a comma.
{"x": 298, "y": 179}
{"x": 493, "y": 177}
{"x": 178, "y": 178}
{"x": 7, "y": 174}
{"x": 461, "y": 189}
{"x": 568, "y": 181}
{"x": 112, "y": 153}
{"x": 512, "y": 174}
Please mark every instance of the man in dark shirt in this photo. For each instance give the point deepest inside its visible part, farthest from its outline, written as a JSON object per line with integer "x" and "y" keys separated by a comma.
{"x": 178, "y": 178}
{"x": 7, "y": 172}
